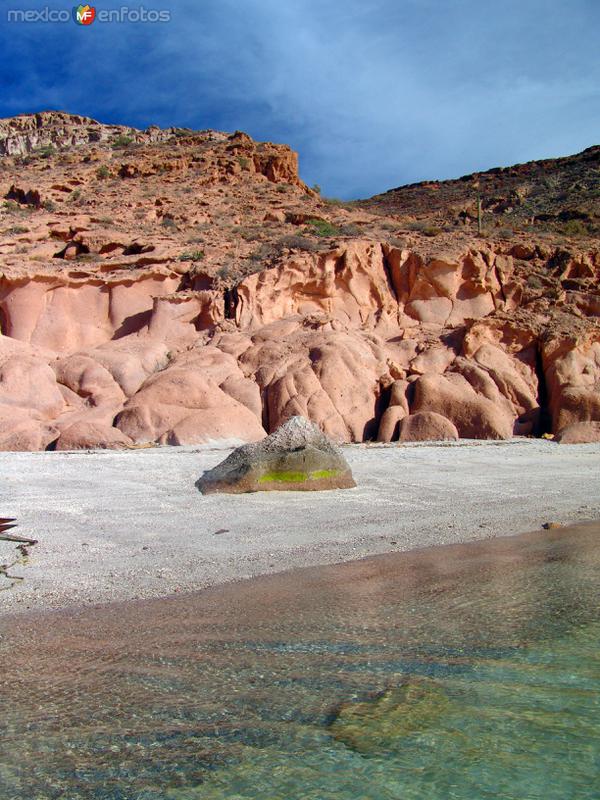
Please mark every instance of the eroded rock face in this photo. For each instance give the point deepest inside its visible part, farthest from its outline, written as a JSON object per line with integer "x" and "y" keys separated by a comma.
{"x": 572, "y": 368}
{"x": 66, "y": 315}
{"x": 182, "y": 286}
{"x": 367, "y": 283}
{"x": 297, "y": 457}
{"x": 184, "y": 374}
{"x": 55, "y": 129}
{"x": 579, "y": 433}
{"x": 23, "y": 429}
{"x": 202, "y": 395}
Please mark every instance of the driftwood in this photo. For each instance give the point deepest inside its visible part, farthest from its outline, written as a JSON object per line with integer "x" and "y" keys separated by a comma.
{"x": 18, "y": 539}
{"x": 6, "y": 523}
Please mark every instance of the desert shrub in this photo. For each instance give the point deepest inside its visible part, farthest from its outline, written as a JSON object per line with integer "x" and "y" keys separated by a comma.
{"x": 198, "y": 229}
{"x": 250, "y": 234}
{"x": 321, "y": 227}
{"x": 506, "y": 233}
{"x": 265, "y": 252}
{"x": 196, "y": 255}
{"x": 334, "y": 201}
{"x": 551, "y": 182}
{"x": 168, "y": 223}
{"x": 224, "y": 272}
{"x": 16, "y": 229}
{"x": 11, "y": 207}
{"x": 351, "y": 230}
{"x": 283, "y": 187}
{"x": 575, "y": 227}
{"x": 426, "y": 228}
{"x": 102, "y": 172}
{"x": 316, "y": 188}
{"x": 121, "y": 141}
{"x": 48, "y": 205}
{"x": 46, "y": 151}
{"x": 295, "y": 242}
{"x": 243, "y": 162}
{"x": 535, "y": 282}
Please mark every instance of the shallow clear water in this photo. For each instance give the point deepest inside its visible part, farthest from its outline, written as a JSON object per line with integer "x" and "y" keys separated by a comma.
{"x": 459, "y": 672}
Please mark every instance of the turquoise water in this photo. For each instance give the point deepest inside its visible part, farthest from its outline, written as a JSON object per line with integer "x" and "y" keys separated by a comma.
{"x": 463, "y": 672}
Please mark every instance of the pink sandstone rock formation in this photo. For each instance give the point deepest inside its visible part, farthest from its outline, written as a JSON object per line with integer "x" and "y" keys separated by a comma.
{"x": 180, "y": 291}
{"x": 579, "y": 433}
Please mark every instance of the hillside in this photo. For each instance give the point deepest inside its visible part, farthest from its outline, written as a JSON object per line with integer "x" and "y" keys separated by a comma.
{"x": 560, "y": 195}
{"x": 175, "y": 286}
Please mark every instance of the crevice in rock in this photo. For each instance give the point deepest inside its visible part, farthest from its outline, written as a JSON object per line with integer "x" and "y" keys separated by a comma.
{"x": 543, "y": 396}
{"x": 500, "y": 284}
{"x": 230, "y": 302}
{"x": 388, "y": 274}
{"x": 264, "y": 401}
{"x": 72, "y": 250}
{"x": 410, "y": 395}
{"x": 559, "y": 261}
{"x": 382, "y": 402}
{"x": 137, "y": 249}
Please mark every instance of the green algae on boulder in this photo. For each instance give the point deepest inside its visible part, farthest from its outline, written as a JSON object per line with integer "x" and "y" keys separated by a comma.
{"x": 297, "y": 457}
{"x": 376, "y": 725}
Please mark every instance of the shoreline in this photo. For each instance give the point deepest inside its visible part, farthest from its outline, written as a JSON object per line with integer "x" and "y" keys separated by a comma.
{"x": 114, "y": 526}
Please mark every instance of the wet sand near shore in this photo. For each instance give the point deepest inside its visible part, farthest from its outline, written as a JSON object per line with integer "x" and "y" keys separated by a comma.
{"x": 231, "y": 606}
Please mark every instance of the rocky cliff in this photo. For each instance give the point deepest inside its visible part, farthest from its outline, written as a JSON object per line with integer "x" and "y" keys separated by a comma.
{"x": 180, "y": 286}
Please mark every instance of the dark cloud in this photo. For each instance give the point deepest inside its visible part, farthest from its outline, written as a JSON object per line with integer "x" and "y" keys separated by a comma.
{"x": 372, "y": 94}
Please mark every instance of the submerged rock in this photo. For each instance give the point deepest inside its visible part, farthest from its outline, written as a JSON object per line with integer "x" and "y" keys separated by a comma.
{"x": 376, "y": 725}
{"x": 298, "y": 457}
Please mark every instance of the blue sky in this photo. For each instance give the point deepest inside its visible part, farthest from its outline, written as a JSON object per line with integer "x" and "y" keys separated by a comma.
{"x": 371, "y": 94}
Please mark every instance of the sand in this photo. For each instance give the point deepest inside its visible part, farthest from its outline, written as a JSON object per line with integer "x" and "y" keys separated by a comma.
{"x": 129, "y": 525}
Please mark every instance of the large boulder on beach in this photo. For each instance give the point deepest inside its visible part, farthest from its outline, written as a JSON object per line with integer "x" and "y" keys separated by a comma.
{"x": 427, "y": 426}
{"x": 92, "y": 436}
{"x": 297, "y": 457}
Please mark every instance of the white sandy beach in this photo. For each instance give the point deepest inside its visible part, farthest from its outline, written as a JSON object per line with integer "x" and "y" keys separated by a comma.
{"x": 122, "y": 525}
